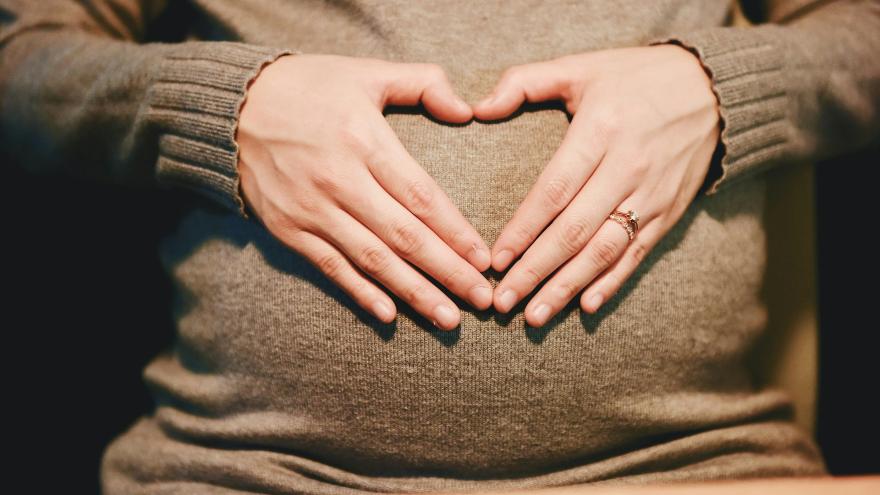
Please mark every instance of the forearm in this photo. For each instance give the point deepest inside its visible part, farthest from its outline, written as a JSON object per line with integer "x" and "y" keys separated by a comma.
{"x": 82, "y": 102}
{"x": 804, "y": 85}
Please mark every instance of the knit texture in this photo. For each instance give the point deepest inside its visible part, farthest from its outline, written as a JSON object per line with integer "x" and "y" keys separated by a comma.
{"x": 195, "y": 100}
{"x": 278, "y": 382}
{"x": 745, "y": 77}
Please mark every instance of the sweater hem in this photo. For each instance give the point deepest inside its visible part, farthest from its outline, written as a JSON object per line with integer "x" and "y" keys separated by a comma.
{"x": 747, "y": 74}
{"x": 196, "y": 99}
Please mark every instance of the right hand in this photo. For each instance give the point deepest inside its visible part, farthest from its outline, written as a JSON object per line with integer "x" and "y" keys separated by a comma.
{"x": 323, "y": 171}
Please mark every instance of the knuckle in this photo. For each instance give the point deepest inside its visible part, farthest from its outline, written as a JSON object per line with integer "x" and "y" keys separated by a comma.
{"x": 416, "y": 294}
{"x": 607, "y": 125}
{"x": 531, "y": 275}
{"x": 356, "y": 139}
{"x": 671, "y": 201}
{"x": 510, "y": 74}
{"x": 406, "y": 239}
{"x": 435, "y": 70}
{"x": 604, "y": 252}
{"x": 376, "y": 259}
{"x": 328, "y": 181}
{"x": 331, "y": 265}
{"x": 566, "y": 290}
{"x": 309, "y": 203}
{"x": 360, "y": 290}
{"x": 297, "y": 241}
{"x": 575, "y": 235}
{"x": 419, "y": 197}
{"x": 640, "y": 251}
{"x": 555, "y": 192}
{"x": 586, "y": 154}
{"x": 371, "y": 153}
{"x": 280, "y": 221}
{"x": 453, "y": 275}
{"x": 523, "y": 234}
{"x": 456, "y": 239}
{"x": 636, "y": 161}
{"x": 320, "y": 222}
{"x": 640, "y": 166}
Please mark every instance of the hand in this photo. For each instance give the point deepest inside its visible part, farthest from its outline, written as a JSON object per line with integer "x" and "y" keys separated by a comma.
{"x": 645, "y": 124}
{"x": 324, "y": 172}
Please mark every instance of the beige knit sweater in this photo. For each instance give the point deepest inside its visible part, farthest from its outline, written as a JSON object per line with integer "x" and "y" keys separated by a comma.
{"x": 279, "y": 383}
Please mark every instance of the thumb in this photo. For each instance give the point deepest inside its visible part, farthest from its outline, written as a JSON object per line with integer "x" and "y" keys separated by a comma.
{"x": 534, "y": 82}
{"x": 410, "y": 83}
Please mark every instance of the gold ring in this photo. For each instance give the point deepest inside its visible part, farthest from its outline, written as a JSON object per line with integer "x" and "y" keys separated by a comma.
{"x": 629, "y": 220}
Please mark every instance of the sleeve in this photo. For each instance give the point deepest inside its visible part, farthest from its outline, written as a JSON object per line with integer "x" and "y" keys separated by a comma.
{"x": 801, "y": 83}
{"x": 82, "y": 93}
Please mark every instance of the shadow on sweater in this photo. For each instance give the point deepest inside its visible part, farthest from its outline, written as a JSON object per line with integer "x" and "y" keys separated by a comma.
{"x": 205, "y": 221}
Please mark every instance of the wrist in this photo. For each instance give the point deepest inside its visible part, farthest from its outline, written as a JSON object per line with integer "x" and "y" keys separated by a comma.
{"x": 701, "y": 80}
{"x": 244, "y": 111}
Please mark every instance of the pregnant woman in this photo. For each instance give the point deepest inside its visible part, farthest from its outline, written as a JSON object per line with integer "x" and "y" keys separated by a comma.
{"x": 377, "y": 296}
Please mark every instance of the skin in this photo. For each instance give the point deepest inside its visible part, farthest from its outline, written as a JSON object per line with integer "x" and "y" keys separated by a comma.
{"x": 325, "y": 174}
{"x": 645, "y": 124}
{"x": 343, "y": 191}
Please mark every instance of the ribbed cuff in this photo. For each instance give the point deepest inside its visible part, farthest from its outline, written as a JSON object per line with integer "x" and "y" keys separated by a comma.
{"x": 195, "y": 101}
{"x": 748, "y": 78}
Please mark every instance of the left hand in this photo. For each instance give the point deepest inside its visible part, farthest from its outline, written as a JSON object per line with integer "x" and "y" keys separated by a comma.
{"x": 645, "y": 125}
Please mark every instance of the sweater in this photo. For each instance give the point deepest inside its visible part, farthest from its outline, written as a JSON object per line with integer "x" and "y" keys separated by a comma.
{"x": 277, "y": 382}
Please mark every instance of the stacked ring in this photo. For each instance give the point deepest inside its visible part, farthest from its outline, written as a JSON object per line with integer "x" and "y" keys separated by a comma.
{"x": 628, "y": 220}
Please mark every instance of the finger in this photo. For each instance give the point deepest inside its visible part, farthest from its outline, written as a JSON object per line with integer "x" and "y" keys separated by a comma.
{"x": 601, "y": 251}
{"x": 340, "y": 271}
{"x": 572, "y": 164}
{"x": 407, "y": 182}
{"x": 409, "y": 83}
{"x": 380, "y": 262}
{"x": 532, "y": 82}
{"x": 414, "y": 241}
{"x": 566, "y": 236}
{"x": 609, "y": 282}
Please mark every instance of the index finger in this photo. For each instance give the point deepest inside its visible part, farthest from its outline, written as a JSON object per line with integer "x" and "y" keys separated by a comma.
{"x": 405, "y": 180}
{"x": 572, "y": 164}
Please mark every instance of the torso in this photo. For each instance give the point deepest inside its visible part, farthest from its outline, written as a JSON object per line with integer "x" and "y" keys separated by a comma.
{"x": 272, "y": 356}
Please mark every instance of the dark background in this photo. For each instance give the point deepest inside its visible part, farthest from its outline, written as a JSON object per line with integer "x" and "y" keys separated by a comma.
{"x": 90, "y": 305}
{"x": 848, "y": 412}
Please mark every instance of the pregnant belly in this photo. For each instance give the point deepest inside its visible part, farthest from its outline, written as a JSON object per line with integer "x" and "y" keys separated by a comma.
{"x": 270, "y": 353}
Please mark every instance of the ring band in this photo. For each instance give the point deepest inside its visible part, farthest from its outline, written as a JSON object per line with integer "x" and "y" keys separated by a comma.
{"x": 629, "y": 220}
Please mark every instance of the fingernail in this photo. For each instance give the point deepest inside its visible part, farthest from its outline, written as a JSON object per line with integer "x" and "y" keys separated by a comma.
{"x": 541, "y": 313}
{"x": 484, "y": 258}
{"x": 594, "y": 302}
{"x": 508, "y": 298}
{"x": 445, "y": 315}
{"x": 503, "y": 259}
{"x": 382, "y": 310}
{"x": 480, "y": 256}
{"x": 481, "y": 296}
